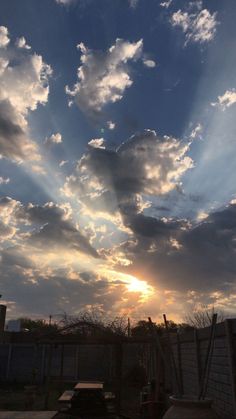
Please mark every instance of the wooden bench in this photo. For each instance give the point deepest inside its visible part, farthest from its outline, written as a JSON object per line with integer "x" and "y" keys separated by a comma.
{"x": 67, "y": 396}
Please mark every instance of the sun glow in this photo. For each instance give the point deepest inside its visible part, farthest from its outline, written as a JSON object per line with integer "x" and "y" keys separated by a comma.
{"x": 136, "y": 285}
{"x": 130, "y": 283}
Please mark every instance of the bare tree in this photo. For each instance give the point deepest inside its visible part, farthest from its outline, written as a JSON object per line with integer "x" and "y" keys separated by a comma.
{"x": 94, "y": 322}
{"x": 203, "y": 317}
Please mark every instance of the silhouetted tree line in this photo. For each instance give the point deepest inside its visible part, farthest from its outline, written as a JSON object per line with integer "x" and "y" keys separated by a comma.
{"x": 95, "y": 323}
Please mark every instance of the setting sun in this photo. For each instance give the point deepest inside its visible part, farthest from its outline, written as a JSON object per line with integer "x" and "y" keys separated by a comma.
{"x": 136, "y": 285}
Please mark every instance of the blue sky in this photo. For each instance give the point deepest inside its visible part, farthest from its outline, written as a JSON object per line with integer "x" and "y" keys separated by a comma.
{"x": 117, "y": 144}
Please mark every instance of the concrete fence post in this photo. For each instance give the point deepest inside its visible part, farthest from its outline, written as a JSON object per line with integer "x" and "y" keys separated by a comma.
{"x": 232, "y": 360}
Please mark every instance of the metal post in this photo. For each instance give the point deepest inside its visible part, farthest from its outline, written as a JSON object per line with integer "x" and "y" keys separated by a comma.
{"x": 207, "y": 365}
{"x": 172, "y": 357}
{"x": 180, "y": 364}
{"x": 198, "y": 362}
{"x": 48, "y": 378}
{"x": 62, "y": 361}
{"x": 119, "y": 359}
{"x": 43, "y": 363}
{"x": 9, "y": 361}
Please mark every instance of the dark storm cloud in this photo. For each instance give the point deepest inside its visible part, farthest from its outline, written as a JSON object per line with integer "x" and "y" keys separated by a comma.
{"x": 146, "y": 226}
{"x": 62, "y": 234}
{"x": 12, "y": 258}
{"x": 32, "y": 289}
{"x": 36, "y": 292}
{"x": 57, "y": 230}
{"x": 14, "y": 143}
{"x": 182, "y": 256}
{"x": 41, "y": 214}
{"x": 50, "y": 225}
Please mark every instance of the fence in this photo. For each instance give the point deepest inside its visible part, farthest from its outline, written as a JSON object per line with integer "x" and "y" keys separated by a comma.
{"x": 19, "y": 361}
{"x": 190, "y": 351}
{"x": 109, "y": 362}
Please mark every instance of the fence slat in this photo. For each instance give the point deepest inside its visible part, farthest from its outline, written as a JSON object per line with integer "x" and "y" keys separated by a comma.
{"x": 232, "y": 361}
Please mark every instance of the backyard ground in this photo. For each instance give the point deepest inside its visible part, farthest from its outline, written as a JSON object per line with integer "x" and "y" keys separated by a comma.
{"x": 20, "y": 398}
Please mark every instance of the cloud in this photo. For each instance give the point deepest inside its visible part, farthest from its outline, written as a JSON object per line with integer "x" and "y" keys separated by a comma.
{"x": 103, "y": 77}
{"x": 116, "y": 181}
{"x": 97, "y": 143}
{"x": 185, "y": 263}
{"x": 133, "y": 3}
{"x": 54, "y": 139}
{"x": 21, "y": 43}
{"x": 57, "y": 228}
{"x": 199, "y": 26}
{"x": 65, "y": 2}
{"x": 6, "y": 232}
{"x": 4, "y": 181}
{"x": 4, "y": 38}
{"x": 149, "y": 63}
{"x": 34, "y": 290}
{"x": 15, "y": 143}
{"x": 63, "y": 234}
{"x": 63, "y": 162}
{"x": 48, "y": 226}
{"x": 196, "y": 132}
{"x": 226, "y": 100}
{"x": 111, "y": 125}
{"x": 166, "y": 4}
{"x": 179, "y": 255}
{"x": 23, "y": 86}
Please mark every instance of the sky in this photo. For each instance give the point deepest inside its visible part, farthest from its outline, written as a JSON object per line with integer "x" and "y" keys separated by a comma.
{"x": 117, "y": 157}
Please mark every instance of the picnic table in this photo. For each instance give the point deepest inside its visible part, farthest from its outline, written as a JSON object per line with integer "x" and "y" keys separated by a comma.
{"x": 88, "y": 385}
{"x": 88, "y": 398}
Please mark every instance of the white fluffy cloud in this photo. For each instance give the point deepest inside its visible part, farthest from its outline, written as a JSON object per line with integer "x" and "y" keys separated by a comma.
{"x": 54, "y": 139}
{"x": 196, "y": 132}
{"x": 111, "y": 125}
{"x": 166, "y": 4}
{"x": 4, "y": 181}
{"x": 21, "y": 43}
{"x": 149, "y": 63}
{"x": 4, "y": 38}
{"x": 199, "y": 26}
{"x": 97, "y": 143}
{"x": 23, "y": 86}
{"x": 226, "y": 100}
{"x": 103, "y": 77}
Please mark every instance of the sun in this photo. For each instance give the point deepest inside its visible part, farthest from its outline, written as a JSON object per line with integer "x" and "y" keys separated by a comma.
{"x": 130, "y": 284}
{"x": 136, "y": 285}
